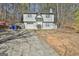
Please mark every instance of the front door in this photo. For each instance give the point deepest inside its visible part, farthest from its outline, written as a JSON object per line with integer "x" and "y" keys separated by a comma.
{"x": 38, "y": 26}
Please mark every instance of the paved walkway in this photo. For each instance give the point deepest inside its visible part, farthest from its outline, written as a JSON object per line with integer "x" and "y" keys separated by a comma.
{"x": 26, "y": 45}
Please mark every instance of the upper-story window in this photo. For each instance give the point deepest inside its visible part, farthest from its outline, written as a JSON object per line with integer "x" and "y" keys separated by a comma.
{"x": 29, "y": 15}
{"x": 47, "y": 16}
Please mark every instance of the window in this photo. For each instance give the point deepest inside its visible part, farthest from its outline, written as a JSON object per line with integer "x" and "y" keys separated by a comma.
{"x": 29, "y": 15}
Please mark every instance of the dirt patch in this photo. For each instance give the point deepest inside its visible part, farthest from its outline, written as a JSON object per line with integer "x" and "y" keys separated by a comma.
{"x": 65, "y": 43}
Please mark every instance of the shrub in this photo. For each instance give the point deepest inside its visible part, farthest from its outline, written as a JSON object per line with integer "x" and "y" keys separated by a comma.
{"x": 76, "y": 22}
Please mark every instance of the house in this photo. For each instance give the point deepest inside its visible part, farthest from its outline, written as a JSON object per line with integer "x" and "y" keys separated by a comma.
{"x": 39, "y": 21}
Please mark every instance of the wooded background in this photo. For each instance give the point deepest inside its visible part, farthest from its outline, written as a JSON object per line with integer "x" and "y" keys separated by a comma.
{"x": 65, "y": 13}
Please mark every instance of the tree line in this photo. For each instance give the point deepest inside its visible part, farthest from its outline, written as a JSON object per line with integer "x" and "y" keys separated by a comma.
{"x": 65, "y": 13}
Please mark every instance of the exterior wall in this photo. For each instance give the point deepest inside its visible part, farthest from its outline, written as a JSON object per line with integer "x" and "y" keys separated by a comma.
{"x": 30, "y": 18}
{"x": 50, "y": 18}
{"x": 49, "y": 26}
{"x": 47, "y": 22}
{"x": 44, "y": 26}
{"x": 30, "y": 26}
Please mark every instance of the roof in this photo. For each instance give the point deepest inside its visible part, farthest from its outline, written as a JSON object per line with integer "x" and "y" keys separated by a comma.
{"x": 40, "y": 13}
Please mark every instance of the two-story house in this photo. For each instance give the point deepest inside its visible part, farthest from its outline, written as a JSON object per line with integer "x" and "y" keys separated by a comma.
{"x": 39, "y": 21}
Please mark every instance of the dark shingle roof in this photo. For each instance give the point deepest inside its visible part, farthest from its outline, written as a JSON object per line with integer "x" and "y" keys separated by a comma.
{"x": 39, "y": 13}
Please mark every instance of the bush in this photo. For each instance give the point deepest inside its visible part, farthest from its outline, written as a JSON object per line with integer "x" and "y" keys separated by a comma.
{"x": 76, "y": 23}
